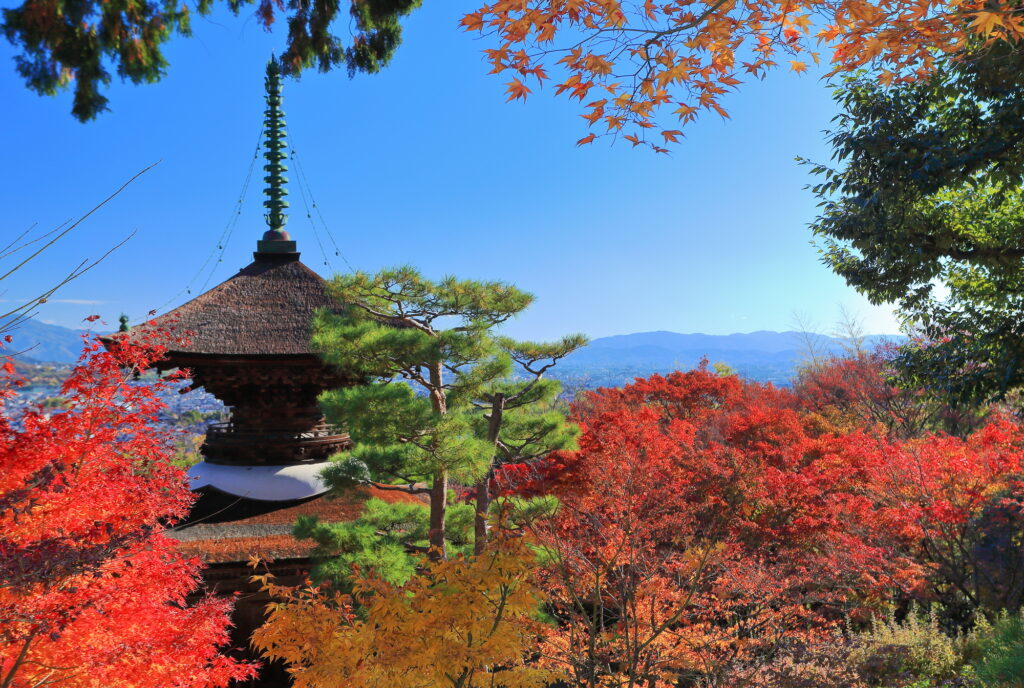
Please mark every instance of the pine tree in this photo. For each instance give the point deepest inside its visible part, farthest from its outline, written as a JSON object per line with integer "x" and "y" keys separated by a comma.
{"x": 442, "y": 407}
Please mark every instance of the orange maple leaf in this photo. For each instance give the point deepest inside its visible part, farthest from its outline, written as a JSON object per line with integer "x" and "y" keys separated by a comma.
{"x": 517, "y": 89}
{"x": 986, "y": 22}
{"x": 473, "y": 22}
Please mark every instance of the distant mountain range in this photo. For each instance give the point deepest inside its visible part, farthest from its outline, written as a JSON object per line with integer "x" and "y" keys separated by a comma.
{"x": 764, "y": 355}
{"x": 38, "y": 341}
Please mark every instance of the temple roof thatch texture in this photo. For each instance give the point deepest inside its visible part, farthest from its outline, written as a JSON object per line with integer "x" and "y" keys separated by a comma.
{"x": 265, "y": 309}
{"x": 224, "y": 529}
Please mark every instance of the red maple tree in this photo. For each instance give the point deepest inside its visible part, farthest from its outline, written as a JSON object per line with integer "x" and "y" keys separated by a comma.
{"x": 859, "y": 391}
{"x": 958, "y": 503}
{"x": 702, "y": 522}
{"x": 92, "y": 593}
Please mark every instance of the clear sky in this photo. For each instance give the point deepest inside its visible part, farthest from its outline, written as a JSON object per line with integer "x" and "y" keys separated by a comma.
{"x": 426, "y": 164}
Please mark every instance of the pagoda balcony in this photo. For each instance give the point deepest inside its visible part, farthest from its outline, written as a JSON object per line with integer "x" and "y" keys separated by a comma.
{"x": 227, "y": 443}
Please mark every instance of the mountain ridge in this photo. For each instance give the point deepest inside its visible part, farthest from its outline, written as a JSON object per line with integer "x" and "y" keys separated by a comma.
{"x": 762, "y": 355}
{"x": 36, "y": 341}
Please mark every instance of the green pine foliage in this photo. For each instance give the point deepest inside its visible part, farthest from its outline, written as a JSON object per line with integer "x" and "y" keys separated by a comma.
{"x": 1001, "y": 664}
{"x": 448, "y": 399}
{"x": 374, "y": 540}
{"x": 386, "y": 537}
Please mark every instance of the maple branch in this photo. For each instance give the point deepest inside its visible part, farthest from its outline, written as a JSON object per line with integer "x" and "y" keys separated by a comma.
{"x": 18, "y": 315}
{"x": 13, "y": 247}
{"x": 8, "y": 680}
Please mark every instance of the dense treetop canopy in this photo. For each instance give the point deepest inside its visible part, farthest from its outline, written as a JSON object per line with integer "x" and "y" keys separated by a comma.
{"x": 927, "y": 211}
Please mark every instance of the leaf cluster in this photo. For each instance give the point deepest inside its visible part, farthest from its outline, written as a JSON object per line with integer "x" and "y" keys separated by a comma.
{"x": 631, "y": 65}
{"x": 927, "y": 211}
{"x": 80, "y": 42}
{"x": 461, "y": 623}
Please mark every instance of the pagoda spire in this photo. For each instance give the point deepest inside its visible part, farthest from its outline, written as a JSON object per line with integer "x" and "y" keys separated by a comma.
{"x": 275, "y": 239}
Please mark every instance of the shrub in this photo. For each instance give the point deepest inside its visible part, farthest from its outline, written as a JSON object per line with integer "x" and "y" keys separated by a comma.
{"x": 1001, "y": 649}
{"x": 911, "y": 652}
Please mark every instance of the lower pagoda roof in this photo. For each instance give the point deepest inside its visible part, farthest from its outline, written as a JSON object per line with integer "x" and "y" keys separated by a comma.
{"x": 226, "y": 529}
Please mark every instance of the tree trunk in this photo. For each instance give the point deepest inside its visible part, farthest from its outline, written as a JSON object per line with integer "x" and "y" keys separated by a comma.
{"x": 483, "y": 504}
{"x": 483, "y": 488}
{"x": 438, "y": 510}
{"x": 8, "y": 680}
{"x": 439, "y": 490}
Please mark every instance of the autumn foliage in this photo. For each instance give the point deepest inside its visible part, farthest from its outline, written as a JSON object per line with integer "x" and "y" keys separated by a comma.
{"x": 703, "y": 521}
{"x": 707, "y": 524}
{"x": 708, "y": 531}
{"x": 957, "y": 503}
{"x": 630, "y": 63}
{"x": 461, "y": 623}
{"x": 859, "y": 391}
{"x": 93, "y": 593}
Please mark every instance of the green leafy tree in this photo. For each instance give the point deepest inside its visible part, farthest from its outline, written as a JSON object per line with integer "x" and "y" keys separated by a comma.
{"x": 927, "y": 211}
{"x": 80, "y": 42}
{"x": 443, "y": 407}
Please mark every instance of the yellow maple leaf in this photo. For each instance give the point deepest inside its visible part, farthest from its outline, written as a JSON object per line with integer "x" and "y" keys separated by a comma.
{"x": 986, "y": 22}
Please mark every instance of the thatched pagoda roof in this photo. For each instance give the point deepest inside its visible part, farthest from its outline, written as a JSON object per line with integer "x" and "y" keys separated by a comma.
{"x": 222, "y": 528}
{"x": 267, "y": 308}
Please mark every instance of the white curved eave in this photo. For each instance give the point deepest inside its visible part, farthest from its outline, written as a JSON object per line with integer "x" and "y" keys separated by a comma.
{"x": 269, "y": 483}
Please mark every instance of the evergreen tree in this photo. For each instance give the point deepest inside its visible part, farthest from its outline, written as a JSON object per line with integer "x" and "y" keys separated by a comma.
{"x": 76, "y": 42}
{"x": 927, "y": 211}
{"x": 442, "y": 407}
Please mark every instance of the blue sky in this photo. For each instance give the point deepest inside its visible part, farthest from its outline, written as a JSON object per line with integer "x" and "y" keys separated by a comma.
{"x": 426, "y": 164}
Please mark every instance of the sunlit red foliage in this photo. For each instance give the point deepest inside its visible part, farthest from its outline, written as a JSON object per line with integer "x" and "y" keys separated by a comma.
{"x": 93, "y": 593}
{"x": 857, "y": 392}
{"x": 702, "y": 520}
{"x": 958, "y": 503}
{"x": 853, "y": 391}
{"x": 628, "y": 62}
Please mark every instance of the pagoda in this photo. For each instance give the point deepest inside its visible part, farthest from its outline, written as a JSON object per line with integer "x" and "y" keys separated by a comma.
{"x": 247, "y": 342}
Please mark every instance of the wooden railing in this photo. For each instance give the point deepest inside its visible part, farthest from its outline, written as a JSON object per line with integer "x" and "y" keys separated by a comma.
{"x": 226, "y": 443}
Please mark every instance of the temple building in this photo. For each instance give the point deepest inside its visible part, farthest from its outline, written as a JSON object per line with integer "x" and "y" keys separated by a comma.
{"x": 248, "y": 344}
